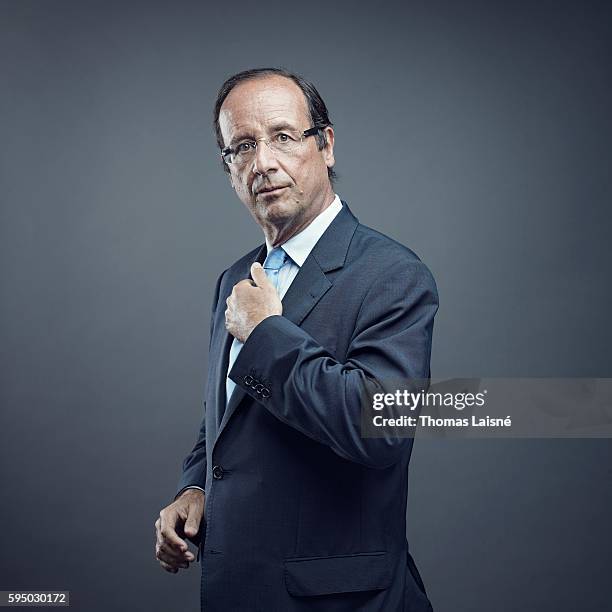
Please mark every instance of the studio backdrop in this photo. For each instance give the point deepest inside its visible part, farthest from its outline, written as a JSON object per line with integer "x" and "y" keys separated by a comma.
{"x": 477, "y": 134}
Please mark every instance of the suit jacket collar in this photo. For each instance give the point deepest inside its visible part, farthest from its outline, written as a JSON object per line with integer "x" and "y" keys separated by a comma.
{"x": 332, "y": 248}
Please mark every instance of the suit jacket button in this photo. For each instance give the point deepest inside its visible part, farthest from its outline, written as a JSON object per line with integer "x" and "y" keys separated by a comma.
{"x": 265, "y": 392}
{"x": 248, "y": 380}
{"x": 258, "y": 388}
{"x": 217, "y": 472}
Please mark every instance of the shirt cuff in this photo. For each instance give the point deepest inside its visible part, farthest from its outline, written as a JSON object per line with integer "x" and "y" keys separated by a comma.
{"x": 185, "y": 489}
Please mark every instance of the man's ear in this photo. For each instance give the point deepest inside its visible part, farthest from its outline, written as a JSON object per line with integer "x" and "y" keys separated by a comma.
{"x": 328, "y": 148}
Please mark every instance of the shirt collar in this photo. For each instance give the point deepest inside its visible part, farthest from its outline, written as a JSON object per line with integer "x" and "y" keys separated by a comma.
{"x": 298, "y": 247}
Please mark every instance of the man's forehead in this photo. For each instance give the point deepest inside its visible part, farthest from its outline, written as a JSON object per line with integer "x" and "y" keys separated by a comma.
{"x": 261, "y": 102}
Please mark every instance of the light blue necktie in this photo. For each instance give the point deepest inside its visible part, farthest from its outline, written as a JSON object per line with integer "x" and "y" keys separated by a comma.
{"x": 275, "y": 260}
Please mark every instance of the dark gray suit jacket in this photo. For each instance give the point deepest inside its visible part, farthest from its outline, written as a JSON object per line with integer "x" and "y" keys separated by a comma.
{"x": 302, "y": 513}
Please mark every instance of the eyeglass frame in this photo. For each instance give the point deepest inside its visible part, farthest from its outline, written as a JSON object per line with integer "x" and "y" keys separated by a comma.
{"x": 313, "y": 131}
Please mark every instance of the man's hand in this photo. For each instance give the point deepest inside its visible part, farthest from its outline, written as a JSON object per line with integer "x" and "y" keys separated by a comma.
{"x": 250, "y": 303}
{"x": 181, "y": 518}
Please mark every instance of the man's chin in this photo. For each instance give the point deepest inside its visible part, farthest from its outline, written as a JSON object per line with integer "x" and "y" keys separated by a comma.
{"x": 277, "y": 209}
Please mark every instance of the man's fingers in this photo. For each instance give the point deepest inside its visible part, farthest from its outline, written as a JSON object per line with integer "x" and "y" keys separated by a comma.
{"x": 169, "y": 568}
{"x": 171, "y": 555}
{"x": 167, "y": 533}
{"x": 245, "y": 283}
{"x": 169, "y": 536}
{"x": 172, "y": 551}
{"x": 170, "y": 562}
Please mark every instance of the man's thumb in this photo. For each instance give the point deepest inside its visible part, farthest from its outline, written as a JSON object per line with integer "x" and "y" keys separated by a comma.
{"x": 259, "y": 276}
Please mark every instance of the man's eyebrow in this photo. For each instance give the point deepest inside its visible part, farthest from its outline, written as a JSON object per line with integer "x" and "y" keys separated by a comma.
{"x": 282, "y": 125}
{"x": 239, "y": 137}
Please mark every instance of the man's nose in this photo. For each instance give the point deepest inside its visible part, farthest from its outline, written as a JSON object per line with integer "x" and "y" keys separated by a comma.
{"x": 265, "y": 160}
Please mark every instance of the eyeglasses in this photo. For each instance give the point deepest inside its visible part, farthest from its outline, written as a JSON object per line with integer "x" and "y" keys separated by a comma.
{"x": 287, "y": 142}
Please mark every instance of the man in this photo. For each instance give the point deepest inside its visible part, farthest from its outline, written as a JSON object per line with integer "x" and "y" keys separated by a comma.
{"x": 294, "y": 509}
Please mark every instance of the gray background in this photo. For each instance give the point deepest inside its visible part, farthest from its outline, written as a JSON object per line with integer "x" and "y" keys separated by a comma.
{"x": 477, "y": 134}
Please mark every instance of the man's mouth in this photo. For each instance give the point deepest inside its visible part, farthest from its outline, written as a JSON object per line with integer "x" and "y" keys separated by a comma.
{"x": 271, "y": 190}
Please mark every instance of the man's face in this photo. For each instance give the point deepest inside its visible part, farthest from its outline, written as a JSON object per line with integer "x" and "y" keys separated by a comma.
{"x": 277, "y": 188}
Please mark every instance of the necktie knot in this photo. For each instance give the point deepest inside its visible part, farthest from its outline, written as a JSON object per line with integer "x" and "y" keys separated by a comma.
{"x": 275, "y": 259}
{"x": 274, "y": 262}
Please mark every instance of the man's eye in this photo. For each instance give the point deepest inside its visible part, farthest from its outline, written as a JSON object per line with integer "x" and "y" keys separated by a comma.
{"x": 283, "y": 138}
{"x": 244, "y": 147}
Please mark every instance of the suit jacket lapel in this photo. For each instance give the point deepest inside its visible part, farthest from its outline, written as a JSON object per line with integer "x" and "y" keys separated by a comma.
{"x": 312, "y": 282}
{"x": 307, "y": 288}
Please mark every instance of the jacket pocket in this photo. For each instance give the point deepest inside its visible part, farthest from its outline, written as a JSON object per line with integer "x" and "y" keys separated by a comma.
{"x": 307, "y": 576}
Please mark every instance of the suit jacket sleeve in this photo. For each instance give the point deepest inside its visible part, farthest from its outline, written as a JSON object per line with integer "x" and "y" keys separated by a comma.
{"x": 321, "y": 397}
{"x": 194, "y": 465}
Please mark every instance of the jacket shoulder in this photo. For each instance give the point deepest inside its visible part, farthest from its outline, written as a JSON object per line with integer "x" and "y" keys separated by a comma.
{"x": 383, "y": 252}
{"x": 387, "y": 265}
